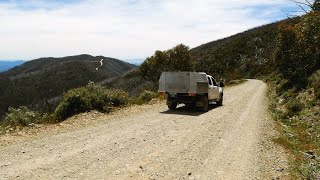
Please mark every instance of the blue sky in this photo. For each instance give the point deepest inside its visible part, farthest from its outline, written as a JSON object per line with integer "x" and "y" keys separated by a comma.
{"x": 125, "y": 29}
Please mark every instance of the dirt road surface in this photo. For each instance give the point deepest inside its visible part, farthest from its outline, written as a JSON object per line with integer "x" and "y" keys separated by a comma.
{"x": 154, "y": 143}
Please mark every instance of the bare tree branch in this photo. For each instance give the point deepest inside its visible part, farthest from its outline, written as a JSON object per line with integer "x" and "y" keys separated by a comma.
{"x": 302, "y": 8}
{"x": 289, "y": 16}
{"x": 310, "y": 5}
{"x": 298, "y": 3}
{"x": 314, "y": 5}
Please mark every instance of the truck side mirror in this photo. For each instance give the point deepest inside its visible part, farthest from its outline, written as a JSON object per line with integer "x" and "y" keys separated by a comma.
{"x": 221, "y": 84}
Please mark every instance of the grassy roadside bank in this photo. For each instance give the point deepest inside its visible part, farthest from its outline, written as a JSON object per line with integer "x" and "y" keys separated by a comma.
{"x": 296, "y": 113}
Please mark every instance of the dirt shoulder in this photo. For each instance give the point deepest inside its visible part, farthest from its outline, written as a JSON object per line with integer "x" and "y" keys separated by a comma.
{"x": 150, "y": 142}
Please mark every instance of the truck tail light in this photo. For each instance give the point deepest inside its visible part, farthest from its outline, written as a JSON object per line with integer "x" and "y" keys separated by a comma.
{"x": 192, "y": 94}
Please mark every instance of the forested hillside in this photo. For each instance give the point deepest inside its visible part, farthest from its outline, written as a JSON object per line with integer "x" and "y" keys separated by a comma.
{"x": 39, "y": 83}
{"x": 295, "y": 93}
{"x": 249, "y": 54}
{"x": 244, "y": 55}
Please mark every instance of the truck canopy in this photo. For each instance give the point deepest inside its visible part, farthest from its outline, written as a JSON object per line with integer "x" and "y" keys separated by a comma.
{"x": 183, "y": 82}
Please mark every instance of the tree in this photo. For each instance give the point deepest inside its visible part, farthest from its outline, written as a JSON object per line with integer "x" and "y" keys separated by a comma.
{"x": 180, "y": 58}
{"x": 176, "y": 59}
{"x": 298, "y": 51}
{"x": 316, "y": 6}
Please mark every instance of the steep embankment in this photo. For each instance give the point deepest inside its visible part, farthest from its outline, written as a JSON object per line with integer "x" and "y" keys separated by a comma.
{"x": 245, "y": 55}
{"x": 36, "y": 83}
{"x": 228, "y": 142}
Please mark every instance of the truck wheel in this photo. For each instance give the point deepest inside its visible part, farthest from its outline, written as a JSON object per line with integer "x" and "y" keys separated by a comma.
{"x": 220, "y": 100}
{"x": 205, "y": 102}
{"x": 172, "y": 105}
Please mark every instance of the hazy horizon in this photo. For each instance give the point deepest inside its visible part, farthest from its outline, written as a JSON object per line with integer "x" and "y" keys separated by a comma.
{"x": 132, "y": 61}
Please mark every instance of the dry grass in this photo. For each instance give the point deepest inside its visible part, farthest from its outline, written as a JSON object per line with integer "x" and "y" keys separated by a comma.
{"x": 300, "y": 130}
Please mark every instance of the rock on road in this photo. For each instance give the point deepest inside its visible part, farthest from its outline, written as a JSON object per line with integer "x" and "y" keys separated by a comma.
{"x": 154, "y": 143}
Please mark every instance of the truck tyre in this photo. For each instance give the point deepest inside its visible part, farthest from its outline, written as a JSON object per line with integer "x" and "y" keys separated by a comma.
{"x": 172, "y": 105}
{"x": 205, "y": 103}
{"x": 219, "y": 103}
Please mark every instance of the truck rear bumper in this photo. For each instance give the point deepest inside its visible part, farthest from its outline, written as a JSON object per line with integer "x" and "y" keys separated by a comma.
{"x": 185, "y": 99}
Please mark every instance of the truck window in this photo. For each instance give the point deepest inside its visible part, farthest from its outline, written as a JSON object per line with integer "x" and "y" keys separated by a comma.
{"x": 209, "y": 80}
{"x": 214, "y": 82}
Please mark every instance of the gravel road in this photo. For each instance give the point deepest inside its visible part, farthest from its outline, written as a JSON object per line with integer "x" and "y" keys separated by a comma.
{"x": 152, "y": 142}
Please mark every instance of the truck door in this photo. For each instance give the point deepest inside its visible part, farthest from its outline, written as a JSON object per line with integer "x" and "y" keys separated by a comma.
{"x": 211, "y": 93}
{"x": 215, "y": 89}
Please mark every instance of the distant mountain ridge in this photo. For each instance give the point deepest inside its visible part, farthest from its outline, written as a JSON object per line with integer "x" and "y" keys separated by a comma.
{"x": 38, "y": 83}
{"x": 136, "y": 61}
{"x": 6, "y": 65}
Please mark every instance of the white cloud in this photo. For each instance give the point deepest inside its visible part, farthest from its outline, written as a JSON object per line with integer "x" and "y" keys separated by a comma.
{"x": 125, "y": 28}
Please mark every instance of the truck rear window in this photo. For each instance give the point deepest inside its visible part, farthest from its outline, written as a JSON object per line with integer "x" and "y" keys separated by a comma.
{"x": 209, "y": 80}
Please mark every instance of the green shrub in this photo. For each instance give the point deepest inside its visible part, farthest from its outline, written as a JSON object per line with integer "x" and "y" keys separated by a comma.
{"x": 315, "y": 83}
{"x": 147, "y": 95}
{"x": 74, "y": 101}
{"x": 21, "y": 116}
{"x": 294, "y": 107}
{"x": 117, "y": 97}
{"x": 90, "y": 97}
{"x": 48, "y": 119}
{"x": 298, "y": 54}
{"x": 283, "y": 86}
{"x": 136, "y": 100}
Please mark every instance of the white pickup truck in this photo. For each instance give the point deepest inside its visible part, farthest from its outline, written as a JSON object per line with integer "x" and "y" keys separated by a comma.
{"x": 194, "y": 89}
